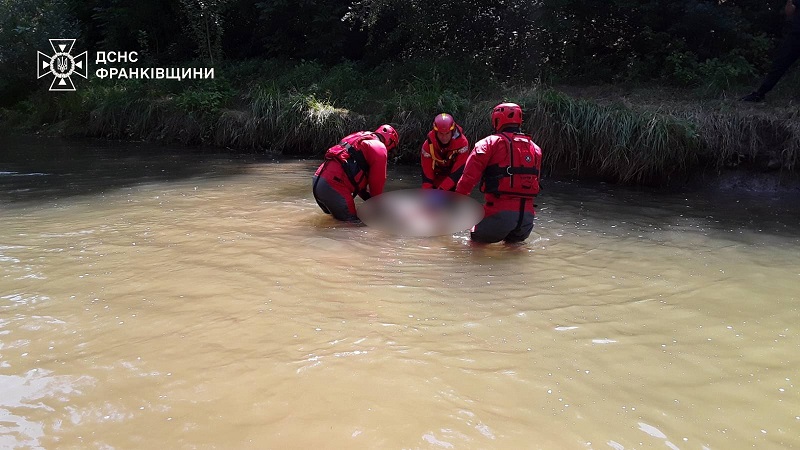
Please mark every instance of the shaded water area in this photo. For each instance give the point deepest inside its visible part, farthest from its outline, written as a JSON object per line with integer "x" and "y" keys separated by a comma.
{"x": 151, "y": 298}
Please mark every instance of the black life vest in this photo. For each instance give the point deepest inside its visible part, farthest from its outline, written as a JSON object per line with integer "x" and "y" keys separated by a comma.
{"x": 351, "y": 158}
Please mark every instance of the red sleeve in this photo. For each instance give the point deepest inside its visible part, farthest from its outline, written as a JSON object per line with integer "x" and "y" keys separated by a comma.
{"x": 476, "y": 163}
{"x": 462, "y": 149}
{"x": 426, "y": 162}
{"x": 375, "y": 154}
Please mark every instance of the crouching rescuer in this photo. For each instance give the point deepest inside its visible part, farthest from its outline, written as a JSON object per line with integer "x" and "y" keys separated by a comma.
{"x": 356, "y": 166}
{"x": 444, "y": 153}
{"x": 507, "y": 166}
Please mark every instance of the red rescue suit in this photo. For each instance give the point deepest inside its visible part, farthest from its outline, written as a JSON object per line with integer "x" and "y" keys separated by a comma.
{"x": 355, "y": 166}
{"x": 507, "y": 166}
{"x": 442, "y": 164}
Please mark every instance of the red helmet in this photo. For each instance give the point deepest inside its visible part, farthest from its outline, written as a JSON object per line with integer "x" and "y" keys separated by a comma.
{"x": 444, "y": 123}
{"x": 388, "y": 135}
{"x": 506, "y": 114}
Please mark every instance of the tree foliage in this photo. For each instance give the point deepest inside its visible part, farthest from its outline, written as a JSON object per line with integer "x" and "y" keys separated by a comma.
{"x": 689, "y": 42}
{"x": 148, "y": 27}
{"x": 595, "y": 40}
{"x": 206, "y": 26}
{"x": 306, "y": 29}
{"x": 25, "y": 27}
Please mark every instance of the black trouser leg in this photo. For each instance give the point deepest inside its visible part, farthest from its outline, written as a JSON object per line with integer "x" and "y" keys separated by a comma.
{"x": 332, "y": 202}
{"x": 314, "y": 191}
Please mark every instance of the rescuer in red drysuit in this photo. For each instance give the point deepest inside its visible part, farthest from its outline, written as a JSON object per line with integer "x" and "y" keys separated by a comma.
{"x": 507, "y": 166}
{"x": 443, "y": 154}
{"x": 354, "y": 166}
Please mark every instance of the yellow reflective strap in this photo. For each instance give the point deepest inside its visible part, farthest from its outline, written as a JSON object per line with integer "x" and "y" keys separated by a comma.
{"x": 433, "y": 156}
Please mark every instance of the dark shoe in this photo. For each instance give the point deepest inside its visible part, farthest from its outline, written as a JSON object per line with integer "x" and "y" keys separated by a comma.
{"x": 754, "y": 97}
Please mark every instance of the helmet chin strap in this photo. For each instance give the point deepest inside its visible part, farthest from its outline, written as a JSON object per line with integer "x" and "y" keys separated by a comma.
{"x": 510, "y": 129}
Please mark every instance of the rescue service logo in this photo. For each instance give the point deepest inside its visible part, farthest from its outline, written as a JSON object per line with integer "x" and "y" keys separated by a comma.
{"x": 62, "y": 65}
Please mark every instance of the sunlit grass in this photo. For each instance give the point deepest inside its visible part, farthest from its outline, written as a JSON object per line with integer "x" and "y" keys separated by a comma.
{"x": 303, "y": 111}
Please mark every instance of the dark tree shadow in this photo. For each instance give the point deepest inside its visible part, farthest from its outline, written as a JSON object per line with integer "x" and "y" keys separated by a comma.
{"x": 39, "y": 169}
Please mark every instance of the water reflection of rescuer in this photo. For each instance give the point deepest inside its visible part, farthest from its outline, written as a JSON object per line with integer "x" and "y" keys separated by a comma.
{"x": 355, "y": 166}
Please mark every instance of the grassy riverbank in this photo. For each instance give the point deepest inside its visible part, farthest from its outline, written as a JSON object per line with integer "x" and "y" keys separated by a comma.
{"x": 635, "y": 135}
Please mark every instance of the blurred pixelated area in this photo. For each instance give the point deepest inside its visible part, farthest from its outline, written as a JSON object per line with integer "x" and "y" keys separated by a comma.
{"x": 421, "y": 212}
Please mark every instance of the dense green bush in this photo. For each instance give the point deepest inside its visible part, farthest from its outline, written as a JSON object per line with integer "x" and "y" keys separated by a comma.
{"x": 25, "y": 27}
{"x": 706, "y": 44}
{"x": 270, "y": 111}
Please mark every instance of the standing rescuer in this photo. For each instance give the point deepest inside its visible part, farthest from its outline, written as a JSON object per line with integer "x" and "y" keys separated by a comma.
{"x": 443, "y": 154}
{"x": 507, "y": 166}
{"x": 354, "y": 166}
